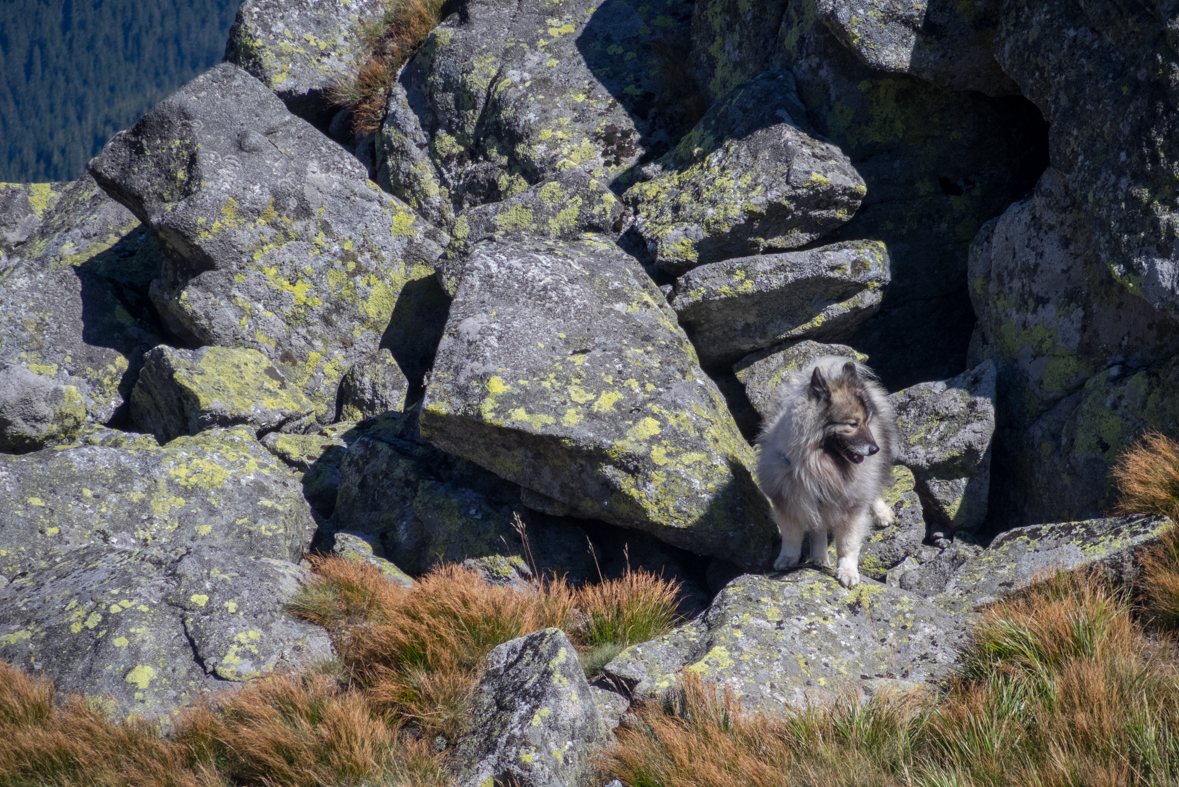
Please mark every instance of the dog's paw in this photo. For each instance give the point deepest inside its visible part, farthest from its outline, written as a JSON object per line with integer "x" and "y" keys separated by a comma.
{"x": 788, "y": 559}
{"x": 848, "y": 577}
{"x": 883, "y": 512}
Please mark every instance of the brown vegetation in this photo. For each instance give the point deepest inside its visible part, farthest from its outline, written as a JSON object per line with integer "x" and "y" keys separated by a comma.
{"x": 391, "y": 39}
{"x": 1147, "y": 477}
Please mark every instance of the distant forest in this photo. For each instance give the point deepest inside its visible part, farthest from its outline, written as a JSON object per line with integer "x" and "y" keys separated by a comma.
{"x": 74, "y": 72}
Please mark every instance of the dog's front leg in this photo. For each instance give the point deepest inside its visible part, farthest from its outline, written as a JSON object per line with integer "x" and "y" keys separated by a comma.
{"x": 819, "y": 547}
{"x": 792, "y": 532}
{"x": 847, "y": 547}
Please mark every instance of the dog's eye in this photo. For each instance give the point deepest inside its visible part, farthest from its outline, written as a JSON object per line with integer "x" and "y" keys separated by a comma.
{"x": 854, "y": 424}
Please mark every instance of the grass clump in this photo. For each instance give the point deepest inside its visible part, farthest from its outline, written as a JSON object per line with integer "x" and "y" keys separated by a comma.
{"x": 1147, "y": 477}
{"x": 391, "y": 39}
{"x": 1059, "y": 687}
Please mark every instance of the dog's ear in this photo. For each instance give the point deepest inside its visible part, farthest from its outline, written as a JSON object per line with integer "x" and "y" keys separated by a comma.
{"x": 849, "y": 370}
{"x": 819, "y": 390}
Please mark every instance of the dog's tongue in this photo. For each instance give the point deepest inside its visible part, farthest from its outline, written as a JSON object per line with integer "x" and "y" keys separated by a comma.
{"x": 857, "y": 458}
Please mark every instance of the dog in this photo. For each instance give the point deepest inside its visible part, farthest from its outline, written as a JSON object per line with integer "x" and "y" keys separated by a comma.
{"x": 825, "y": 461}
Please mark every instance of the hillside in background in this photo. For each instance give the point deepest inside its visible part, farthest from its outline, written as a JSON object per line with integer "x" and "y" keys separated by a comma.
{"x": 77, "y": 71}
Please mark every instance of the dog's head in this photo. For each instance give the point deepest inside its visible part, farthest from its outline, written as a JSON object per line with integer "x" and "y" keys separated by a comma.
{"x": 848, "y": 413}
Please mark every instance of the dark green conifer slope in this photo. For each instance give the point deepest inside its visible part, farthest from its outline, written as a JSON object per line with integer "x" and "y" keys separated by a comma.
{"x": 73, "y": 72}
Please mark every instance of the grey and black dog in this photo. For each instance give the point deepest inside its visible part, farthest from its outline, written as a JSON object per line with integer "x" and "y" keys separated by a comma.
{"x": 825, "y": 460}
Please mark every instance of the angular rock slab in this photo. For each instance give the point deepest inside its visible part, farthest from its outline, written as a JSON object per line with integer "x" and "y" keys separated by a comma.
{"x": 946, "y": 43}
{"x": 36, "y": 412}
{"x": 1026, "y": 555}
{"x": 736, "y": 307}
{"x": 188, "y": 391}
{"x": 533, "y": 720}
{"x": 888, "y": 546}
{"x": 946, "y": 429}
{"x": 218, "y": 490}
{"x": 299, "y": 48}
{"x": 563, "y": 369}
{"x": 151, "y": 630}
{"x": 67, "y": 324}
{"x": 82, "y": 224}
{"x": 749, "y": 178}
{"x": 22, "y": 206}
{"x": 275, "y": 239}
{"x": 373, "y": 385}
{"x": 506, "y": 95}
{"x": 763, "y": 372}
{"x": 1103, "y": 77}
{"x": 785, "y": 641}
{"x": 359, "y": 548}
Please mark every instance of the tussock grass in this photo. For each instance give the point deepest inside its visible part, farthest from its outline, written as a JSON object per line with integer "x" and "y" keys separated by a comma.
{"x": 1059, "y": 687}
{"x": 391, "y": 39}
{"x": 1147, "y": 477}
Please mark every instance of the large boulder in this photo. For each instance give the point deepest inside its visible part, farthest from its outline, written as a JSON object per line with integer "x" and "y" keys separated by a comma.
{"x": 762, "y": 373}
{"x": 275, "y": 239}
{"x": 149, "y": 575}
{"x": 749, "y": 178}
{"x": 562, "y": 369}
{"x": 35, "y": 411}
{"x": 1103, "y": 76}
{"x": 189, "y": 391}
{"x": 800, "y": 638}
{"x": 533, "y": 720}
{"x": 945, "y": 439}
{"x": 507, "y": 95}
{"x": 67, "y": 324}
{"x": 735, "y": 307}
{"x": 300, "y": 48}
{"x": 888, "y": 545}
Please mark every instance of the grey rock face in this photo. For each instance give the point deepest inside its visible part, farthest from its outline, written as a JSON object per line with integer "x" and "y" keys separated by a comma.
{"x": 354, "y": 546}
{"x": 1025, "y": 555}
{"x": 748, "y": 178}
{"x": 36, "y": 412}
{"x": 373, "y": 385}
{"x": 562, "y": 369}
{"x": 298, "y": 48}
{"x": 508, "y": 95}
{"x": 764, "y": 371}
{"x": 533, "y": 718}
{"x": 888, "y": 546}
{"x": 1102, "y": 76}
{"x": 946, "y": 430}
{"x": 22, "y": 207}
{"x": 66, "y": 324}
{"x": 563, "y": 208}
{"x": 735, "y": 307}
{"x": 149, "y": 574}
{"x": 275, "y": 239}
{"x": 189, "y": 391}
{"x": 780, "y": 642}
{"x": 1048, "y": 313}
{"x": 948, "y": 44}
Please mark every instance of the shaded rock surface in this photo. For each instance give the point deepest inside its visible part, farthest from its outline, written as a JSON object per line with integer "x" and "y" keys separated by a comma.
{"x": 780, "y": 642}
{"x": 562, "y": 369}
{"x": 299, "y": 48}
{"x": 946, "y": 43}
{"x": 274, "y": 239}
{"x": 763, "y": 372}
{"x": 360, "y": 548}
{"x": 735, "y": 307}
{"x": 373, "y": 386}
{"x": 506, "y": 96}
{"x": 150, "y": 574}
{"x": 189, "y": 391}
{"x": 317, "y": 457}
{"x": 888, "y": 545}
{"x": 749, "y": 178}
{"x": 36, "y": 412}
{"x": 946, "y": 430}
{"x": 533, "y": 720}
{"x": 22, "y": 207}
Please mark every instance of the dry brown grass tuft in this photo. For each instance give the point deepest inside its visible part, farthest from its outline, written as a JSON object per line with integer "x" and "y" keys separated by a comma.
{"x": 75, "y": 745}
{"x": 345, "y": 593}
{"x": 1147, "y": 477}
{"x": 392, "y": 38}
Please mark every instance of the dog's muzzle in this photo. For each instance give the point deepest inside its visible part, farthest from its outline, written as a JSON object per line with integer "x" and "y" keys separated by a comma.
{"x": 859, "y": 452}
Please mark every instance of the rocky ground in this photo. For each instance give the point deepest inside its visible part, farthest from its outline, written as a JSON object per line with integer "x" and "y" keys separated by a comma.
{"x": 545, "y": 289}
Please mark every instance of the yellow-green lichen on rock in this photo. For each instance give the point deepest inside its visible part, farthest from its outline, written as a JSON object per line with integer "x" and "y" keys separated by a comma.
{"x": 562, "y": 369}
